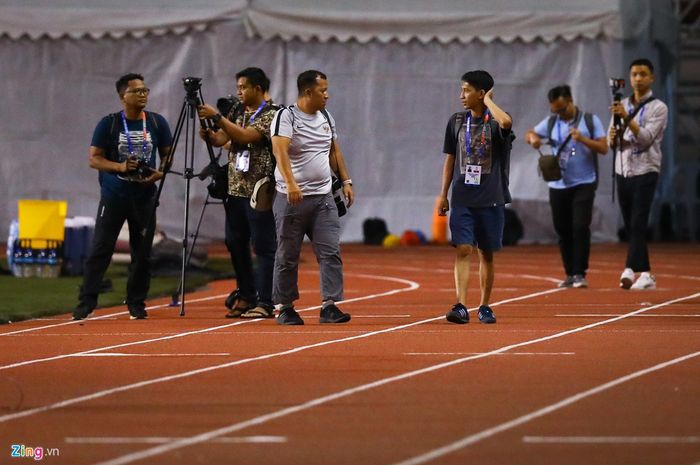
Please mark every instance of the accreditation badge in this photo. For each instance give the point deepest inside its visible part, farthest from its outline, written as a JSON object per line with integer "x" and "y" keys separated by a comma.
{"x": 243, "y": 161}
{"x": 472, "y": 175}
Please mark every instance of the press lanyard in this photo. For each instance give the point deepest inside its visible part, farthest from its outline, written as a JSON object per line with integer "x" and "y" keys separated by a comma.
{"x": 252, "y": 118}
{"x": 468, "y": 138}
{"x": 562, "y": 139}
{"x": 128, "y": 138}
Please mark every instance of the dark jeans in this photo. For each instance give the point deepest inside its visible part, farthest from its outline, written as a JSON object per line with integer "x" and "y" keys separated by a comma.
{"x": 636, "y": 195}
{"x": 111, "y": 215}
{"x": 572, "y": 211}
{"x": 243, "y": 225}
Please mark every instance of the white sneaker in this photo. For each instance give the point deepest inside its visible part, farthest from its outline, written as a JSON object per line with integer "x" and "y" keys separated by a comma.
{"x": 645, "y": 281}
{"x": 626, "y": 278}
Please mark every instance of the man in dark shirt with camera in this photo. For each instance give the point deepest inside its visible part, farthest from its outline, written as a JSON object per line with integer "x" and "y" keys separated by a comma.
{"x": 123, "y": 150}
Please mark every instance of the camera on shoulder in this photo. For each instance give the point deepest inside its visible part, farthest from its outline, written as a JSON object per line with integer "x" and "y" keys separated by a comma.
{"x": 337, "y": 189}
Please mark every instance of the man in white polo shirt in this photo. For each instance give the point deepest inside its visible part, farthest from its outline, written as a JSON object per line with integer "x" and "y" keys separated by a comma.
{"x": 304, "y": 143}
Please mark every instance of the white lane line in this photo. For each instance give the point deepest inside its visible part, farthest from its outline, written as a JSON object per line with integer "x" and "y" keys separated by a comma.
{"x": 411, "y": 286}
{"x": 112, "y": 316}
{"x": 611, "y": 439}
{"x": 109, "y": 316}
{"x": 187, "y": 374}
{"x": 381, "y": 316}
{"x": 481, "y": 353}
{"x": 530, "y": 276}
{"x": 166, "y": 440}
{"x": 654, "y": 315}
{"x": 474, "y": 438}
{"x": 132, "y": 457}
{"x": 118, "y": 354}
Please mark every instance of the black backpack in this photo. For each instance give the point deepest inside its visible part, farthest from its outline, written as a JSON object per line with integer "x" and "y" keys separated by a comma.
{"x": 374, "y": 231}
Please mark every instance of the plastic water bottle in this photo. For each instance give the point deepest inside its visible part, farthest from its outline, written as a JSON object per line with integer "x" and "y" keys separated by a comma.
{"x": 54, "y": 261}
{"x": 42, "y": 262}
{"x": 29, "y": 265}
{"x": 18, "y": 259}
{"x": 12, "y": 244}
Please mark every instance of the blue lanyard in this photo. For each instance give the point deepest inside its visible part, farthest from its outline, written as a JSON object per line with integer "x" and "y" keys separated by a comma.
{"x": 128, "y": 138}
{"x": 252, "y": 118}
{"x": 468, "y": 135}
{"x": 561, "y": 139}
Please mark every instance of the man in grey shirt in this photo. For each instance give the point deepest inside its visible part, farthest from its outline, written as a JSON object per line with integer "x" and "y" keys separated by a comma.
{"x": 305, "y": 145}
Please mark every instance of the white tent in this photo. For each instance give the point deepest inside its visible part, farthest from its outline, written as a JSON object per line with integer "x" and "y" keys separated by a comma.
{"x": 393, "y": 67}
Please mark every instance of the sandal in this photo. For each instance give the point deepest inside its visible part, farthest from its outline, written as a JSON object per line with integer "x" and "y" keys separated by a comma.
{"x": 259, "y": 312}
{"x": 239, "y": 308}
{"x": 233, "y": 299}
{"x": 237, "y": 312}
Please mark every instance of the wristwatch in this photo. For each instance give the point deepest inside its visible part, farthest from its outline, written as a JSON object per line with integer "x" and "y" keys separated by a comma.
{"x": 216, "y": 118}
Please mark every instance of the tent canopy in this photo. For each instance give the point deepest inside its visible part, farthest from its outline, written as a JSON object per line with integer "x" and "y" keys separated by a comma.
{"x": 360, "y": 20}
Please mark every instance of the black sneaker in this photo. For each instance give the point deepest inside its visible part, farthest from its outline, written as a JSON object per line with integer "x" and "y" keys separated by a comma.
{"x": 332, "y": 314}
{"x": 290, "y": 317}
{"x": 81, "y": 312}
{"x": 486, "y": 315}
{"x": 138, "y": 313}
{"x": 568, "y": 282}
{"x": 458, "y": 314}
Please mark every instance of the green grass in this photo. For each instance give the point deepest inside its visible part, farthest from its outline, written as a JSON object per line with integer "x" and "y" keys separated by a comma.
{"x": 25, "y": 298}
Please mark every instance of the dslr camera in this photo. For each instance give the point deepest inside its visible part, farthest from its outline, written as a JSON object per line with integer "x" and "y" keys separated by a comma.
{"x": 229, "y": 105}
{"x": 142, "y": 170}
{"x": 337, "y": 189}
{"x": 615, "y": 85}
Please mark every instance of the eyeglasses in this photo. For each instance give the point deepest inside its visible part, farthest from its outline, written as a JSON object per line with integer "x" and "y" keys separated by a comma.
{"x": 139, "y": 91}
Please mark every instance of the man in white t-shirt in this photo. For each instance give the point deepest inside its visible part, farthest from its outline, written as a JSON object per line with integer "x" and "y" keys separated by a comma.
{"x": 305, "y": 145}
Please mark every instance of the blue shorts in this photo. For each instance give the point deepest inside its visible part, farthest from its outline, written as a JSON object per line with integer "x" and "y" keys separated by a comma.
{"x": 482, "y": 227}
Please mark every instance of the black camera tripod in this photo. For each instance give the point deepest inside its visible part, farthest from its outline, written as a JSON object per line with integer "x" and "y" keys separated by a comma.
{"x": 193, "y": 99}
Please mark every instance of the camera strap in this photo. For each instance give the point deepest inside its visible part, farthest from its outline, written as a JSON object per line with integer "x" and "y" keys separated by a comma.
{"x": 577, "y": 118}
{"x": 639, "y": 107}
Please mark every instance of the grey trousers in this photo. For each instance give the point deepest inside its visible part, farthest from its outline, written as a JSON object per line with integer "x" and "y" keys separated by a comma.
{"x": 316, "y": 217}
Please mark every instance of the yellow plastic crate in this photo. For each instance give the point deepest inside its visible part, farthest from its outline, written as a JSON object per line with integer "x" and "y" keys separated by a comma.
{"x": 42, "y": 220}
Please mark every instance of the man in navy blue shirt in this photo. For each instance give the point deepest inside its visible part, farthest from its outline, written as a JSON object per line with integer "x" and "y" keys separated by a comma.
{"x": 477, "y": 151}
{"x": 123, "y": 150}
